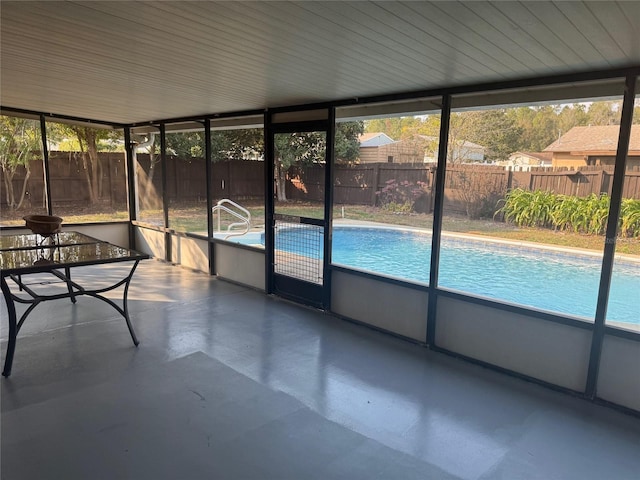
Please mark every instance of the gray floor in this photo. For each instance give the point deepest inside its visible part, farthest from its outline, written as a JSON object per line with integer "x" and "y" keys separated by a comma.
{"x": 229, "y": 383}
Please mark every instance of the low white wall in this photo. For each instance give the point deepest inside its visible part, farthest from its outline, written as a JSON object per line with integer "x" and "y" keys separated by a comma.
{"x": 241, "y": 265}
{"x": 548, "y": 351}
{"x": 116, "y": 233}
{"x": 394, "y": 308}
{"x": 150, "y": 242}
{"x": 190, "y": 252}
{"x": 619, "y": 374}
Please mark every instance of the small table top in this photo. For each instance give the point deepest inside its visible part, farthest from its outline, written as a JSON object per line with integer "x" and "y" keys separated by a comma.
{"x": 31, "y": 253}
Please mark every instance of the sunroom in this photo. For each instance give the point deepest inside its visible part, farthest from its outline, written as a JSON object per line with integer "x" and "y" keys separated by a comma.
{"x": 224, "y": 140}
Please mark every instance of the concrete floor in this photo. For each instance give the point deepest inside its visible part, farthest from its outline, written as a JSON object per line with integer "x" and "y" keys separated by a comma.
{"x": 229, "y": 383}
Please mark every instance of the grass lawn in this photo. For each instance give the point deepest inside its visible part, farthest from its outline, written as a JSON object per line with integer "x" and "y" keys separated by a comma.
{"x": 190, "y": 218}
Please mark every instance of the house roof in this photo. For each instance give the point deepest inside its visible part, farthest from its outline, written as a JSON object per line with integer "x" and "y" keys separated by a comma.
{"x": 463, "y": 144}
{"x": 594, "y": 139}
{"x": 542, "y": 156}
{"x": 375, "y": 139}
{"x": 127, "y": 62}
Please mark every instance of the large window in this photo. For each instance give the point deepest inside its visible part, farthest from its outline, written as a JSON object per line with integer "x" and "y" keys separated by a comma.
{"x": 148, "y": 166}
{"x": 22, "y": 189}
{"x": 186, "y": 180}
{"x": 526, "y": 200}
{"x": 238, "y": 183}
{"x": 622, "y": 309}
{"x": 384, "y": 177}
{"x": 87, "y": 173}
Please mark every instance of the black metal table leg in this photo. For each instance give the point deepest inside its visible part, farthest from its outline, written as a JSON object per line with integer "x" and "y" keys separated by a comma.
{"x": 126, "y": 305}
{"x": 67, "y": 274}
{"x": 13, "y": 330}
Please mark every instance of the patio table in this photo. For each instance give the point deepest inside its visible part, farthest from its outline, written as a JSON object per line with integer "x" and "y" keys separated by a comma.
{"x": 27, "y": 254}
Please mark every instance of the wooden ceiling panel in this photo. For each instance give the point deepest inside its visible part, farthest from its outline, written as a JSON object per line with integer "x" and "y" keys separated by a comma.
{"x": 129, "y": 62}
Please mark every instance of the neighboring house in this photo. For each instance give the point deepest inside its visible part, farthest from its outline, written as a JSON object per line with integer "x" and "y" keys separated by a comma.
{"x": 375, "y": 139}
{"x": 378, "y": 147}
{"x": 371, "y": 147}
{"x": 593, "y": 145}
{"x": 461, "y": 151}
{"x": 523, "y": 161}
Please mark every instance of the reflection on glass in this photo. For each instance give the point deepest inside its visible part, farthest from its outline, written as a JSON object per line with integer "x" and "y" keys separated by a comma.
{"x": 526, "y": 203}
{"x": 24, "y": 251}
{"x": 22, "y": 189}
{"x": 383, "y": 194}
{"x": 87, "y": 172}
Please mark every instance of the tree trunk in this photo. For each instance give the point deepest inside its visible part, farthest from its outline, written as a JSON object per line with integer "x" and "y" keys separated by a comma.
{"x": 8, "y": 178}
{"x": 87, "y": 175}
{"x": 147, "y": 195}
{"x": 95, "y": 190}
{"x": 24, "y": 188}
{"x": 281, "y": 182}
{"x": 91, "y": 161}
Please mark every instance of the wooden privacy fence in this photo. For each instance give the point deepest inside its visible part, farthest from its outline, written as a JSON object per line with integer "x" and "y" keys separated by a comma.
{"x": 354, "y": 184}
{"x": 466, "y": 186}
{"x": 581, "y": 182}
{"x": 68, "y": 181}
{"x": 470, "y": 189}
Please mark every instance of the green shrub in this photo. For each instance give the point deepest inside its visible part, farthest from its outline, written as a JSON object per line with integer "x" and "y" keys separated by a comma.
{"x": 630, "y": 218}
{"x": 528, "y": 209}
{"x": 399, "y": 197}
{"x": 563, "y": 212}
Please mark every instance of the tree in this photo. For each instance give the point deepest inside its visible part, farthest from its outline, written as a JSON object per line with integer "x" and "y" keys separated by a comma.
{"x": 604, "y": 113}
{"x": 19, "y": 144}
{"x": 305, "y": 147}
{"x": 90, "y": 141}
{"x": 347, "y": 144}
{"x": 242, "y": 144}
{"x": 185, "y": 144}
{"x": 149, "y": 199}
{"x": 310, "y": 147}
{"x": 538, "y": 126}
{"x": 493, "y": 129}
{"x": 294, "y": 148}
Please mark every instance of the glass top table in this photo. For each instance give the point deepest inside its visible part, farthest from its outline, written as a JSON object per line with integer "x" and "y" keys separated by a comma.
{"x": 26, "y": 254}
{"x": 30, "y": 253}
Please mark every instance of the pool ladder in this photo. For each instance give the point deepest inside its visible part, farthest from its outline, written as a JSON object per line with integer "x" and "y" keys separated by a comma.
{"x": 235, "y": 210}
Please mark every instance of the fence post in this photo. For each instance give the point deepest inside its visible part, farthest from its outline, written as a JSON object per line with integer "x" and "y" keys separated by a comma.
{"x": 376, "y": 182}
{"x": 531, "y": 181}
{"x": 432, "y": 188}
{"x": 603, "y": 188}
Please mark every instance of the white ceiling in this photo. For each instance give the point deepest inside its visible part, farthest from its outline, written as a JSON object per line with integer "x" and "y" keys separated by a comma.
{"x": 129, "y": 62}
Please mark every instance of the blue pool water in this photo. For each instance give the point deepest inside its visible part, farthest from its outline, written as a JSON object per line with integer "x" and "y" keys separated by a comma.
{"x": 545, "y": 279}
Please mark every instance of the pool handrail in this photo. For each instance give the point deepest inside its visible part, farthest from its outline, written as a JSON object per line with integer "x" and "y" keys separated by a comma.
{"x": 245, "y": 221}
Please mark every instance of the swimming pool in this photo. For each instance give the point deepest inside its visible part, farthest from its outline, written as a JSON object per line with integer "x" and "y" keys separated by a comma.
{"x": 548, "y": 279}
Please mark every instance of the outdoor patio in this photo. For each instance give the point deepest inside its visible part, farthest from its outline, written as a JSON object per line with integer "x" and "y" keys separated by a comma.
{"x": 230, "y": 383}
{"x": 503, "y": 343}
